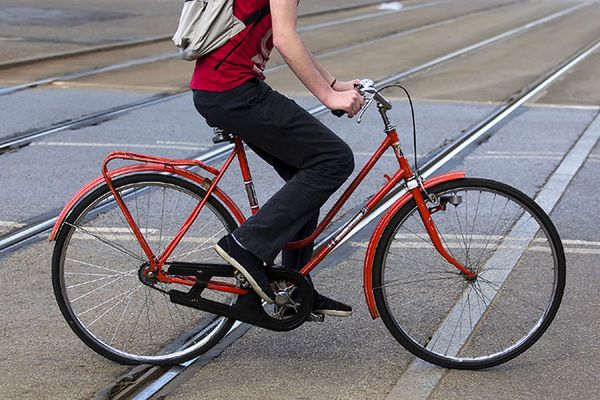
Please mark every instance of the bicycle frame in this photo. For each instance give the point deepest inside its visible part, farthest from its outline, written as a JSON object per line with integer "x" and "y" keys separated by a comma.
{"x": 403, "y": 173}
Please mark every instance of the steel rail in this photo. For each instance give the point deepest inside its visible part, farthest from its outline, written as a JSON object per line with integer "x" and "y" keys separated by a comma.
{"x": 173, "y": 55}
{"x": 23, "y": 139}
{"x": 435, "y": 163}
{"x": 152, "y": 39}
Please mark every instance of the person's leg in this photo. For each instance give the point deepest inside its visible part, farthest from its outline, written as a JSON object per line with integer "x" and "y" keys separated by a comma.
{"x": 275, "y": 124}
{"x": 297, "y": 258}
{"x": 318, "y": 160}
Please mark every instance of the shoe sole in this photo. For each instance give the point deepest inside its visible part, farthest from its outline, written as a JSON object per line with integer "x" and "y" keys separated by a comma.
{"x": 333, "y": 313}
{"x": 223, "y": 254}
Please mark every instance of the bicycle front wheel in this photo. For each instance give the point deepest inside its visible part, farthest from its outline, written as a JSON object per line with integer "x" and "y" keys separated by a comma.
{"x": 97, "y": 262}
{"x": 434, "y": 311}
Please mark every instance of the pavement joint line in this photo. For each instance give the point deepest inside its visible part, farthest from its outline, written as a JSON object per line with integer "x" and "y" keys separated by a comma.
{"x": 420, "y": 379}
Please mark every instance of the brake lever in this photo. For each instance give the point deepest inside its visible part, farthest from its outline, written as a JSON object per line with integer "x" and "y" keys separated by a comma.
{"x": 364, "y": 109}
{"x": 366, "y": 88}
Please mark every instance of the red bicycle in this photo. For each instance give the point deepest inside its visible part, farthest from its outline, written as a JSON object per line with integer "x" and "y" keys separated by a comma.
{"x": 464, "y": 272}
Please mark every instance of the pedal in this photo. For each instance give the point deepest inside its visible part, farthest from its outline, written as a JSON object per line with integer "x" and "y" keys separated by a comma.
{"x": 242, "y": 281}
{"x": 315, "y": 317}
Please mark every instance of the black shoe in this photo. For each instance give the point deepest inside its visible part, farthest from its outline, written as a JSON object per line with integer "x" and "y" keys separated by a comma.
{"x": 248, "y": 265}
{"x": 326, "y": 306}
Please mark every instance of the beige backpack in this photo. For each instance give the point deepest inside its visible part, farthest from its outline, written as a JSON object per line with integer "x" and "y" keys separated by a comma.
{"x": 206, "y": 25}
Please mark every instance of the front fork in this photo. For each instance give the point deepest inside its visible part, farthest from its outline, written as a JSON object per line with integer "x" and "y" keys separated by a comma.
{"x": 417, "y": 190}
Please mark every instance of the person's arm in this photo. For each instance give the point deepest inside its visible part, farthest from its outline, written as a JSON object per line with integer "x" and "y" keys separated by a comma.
{"x": 300, "y": 60}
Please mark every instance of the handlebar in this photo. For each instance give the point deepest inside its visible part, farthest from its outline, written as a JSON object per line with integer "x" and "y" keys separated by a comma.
{"x": 367, "y": 89}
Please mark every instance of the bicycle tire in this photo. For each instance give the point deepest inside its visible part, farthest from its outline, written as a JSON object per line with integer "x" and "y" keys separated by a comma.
{"x": 216, "y": 327}
{"x": 423, "y": 345}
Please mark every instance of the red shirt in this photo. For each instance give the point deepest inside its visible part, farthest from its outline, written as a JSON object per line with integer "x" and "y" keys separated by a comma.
{"x": 246, "y": 62}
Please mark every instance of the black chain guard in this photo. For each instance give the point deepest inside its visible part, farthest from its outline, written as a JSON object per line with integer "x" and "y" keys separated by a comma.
{"x": 247, "y": 308}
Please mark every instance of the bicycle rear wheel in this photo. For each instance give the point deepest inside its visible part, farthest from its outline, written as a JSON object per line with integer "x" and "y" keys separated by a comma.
{"x": 434, "y": 311}
{"x": 96, "y": 265}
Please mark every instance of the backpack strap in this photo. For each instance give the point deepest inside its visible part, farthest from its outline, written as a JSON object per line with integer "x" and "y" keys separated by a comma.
{"x": 257, "y": 15}
{"x": 252, "y": 19}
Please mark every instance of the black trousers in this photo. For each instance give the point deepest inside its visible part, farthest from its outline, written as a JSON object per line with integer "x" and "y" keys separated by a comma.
{"x": 312, "y": 160}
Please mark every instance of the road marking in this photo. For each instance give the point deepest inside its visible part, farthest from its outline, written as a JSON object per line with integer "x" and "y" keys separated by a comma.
{"x": 168, "y": 142}
{"x": 518, "y": 155}
{"x": 481, "y": 243}
{"x": 11, "y": 224}
{"x": 420, "y": 378}
{"x": 195, "y": 146}
{"x": 526, "y": 155}
{"x": 394, "y": 6}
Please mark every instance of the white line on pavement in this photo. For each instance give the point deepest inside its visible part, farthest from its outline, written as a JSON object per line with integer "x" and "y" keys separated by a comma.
{"x": 11, "y": 224}
{"x": 168, "y": 142}
{"x": 420, "y": 378}
{"x": 481, "y": 245}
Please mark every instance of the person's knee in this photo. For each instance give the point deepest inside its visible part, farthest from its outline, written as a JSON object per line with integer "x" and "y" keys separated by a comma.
{"x": 344, "y": 162}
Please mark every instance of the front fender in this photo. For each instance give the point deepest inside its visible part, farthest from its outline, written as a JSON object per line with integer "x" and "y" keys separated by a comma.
{"x": 159, "y": 168}
{"x": 385, "y": 220}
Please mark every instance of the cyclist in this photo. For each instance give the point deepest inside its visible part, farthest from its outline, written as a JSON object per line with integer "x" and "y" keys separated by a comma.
{"x": 229, "y": 93}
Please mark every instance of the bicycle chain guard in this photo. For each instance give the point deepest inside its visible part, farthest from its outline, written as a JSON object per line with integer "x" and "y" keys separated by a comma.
{"x": 247, "y": 308}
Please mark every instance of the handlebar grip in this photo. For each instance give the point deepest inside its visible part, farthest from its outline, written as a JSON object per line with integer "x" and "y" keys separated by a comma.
{"x": 338, "y": 113}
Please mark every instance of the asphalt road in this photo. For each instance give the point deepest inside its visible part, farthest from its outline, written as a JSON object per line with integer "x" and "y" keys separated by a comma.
{"x": 353, "y": 358}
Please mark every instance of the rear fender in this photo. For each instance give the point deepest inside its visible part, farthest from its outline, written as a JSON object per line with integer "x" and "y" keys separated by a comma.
{"x": 376, "y": 237}
{"x": 159, "y": 168}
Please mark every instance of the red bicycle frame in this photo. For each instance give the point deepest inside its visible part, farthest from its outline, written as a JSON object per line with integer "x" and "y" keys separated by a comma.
{"x": 157, "y": 261}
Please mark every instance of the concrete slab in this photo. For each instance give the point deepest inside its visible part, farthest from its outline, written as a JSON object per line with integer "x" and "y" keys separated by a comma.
{"x": 579, "y": 87}
{"x": 174, "y": 73}
{"x": 388, "y": 57}
{"x": 494, "y": 73}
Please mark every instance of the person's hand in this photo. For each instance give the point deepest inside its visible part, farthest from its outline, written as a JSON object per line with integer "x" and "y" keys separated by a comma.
{"x": 343, "y": 86}
{"x": 349, "y": 101}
